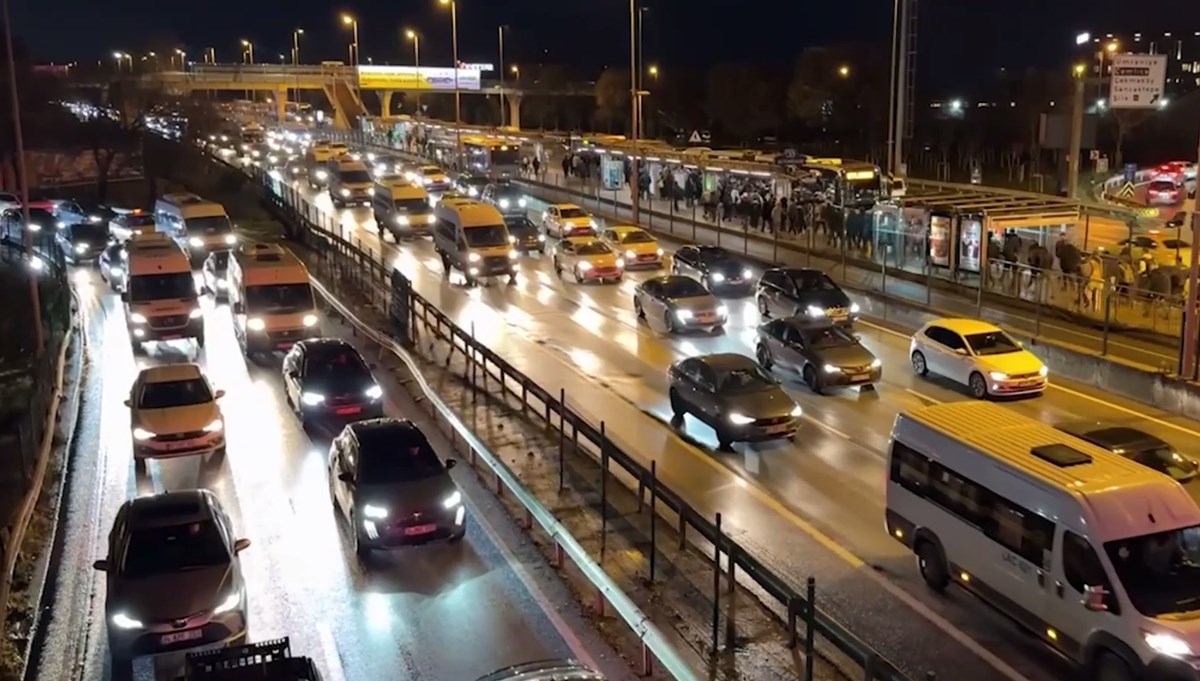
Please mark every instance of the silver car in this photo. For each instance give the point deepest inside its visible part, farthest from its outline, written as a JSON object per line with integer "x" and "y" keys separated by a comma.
{"x": 680, "y": 303}
{"x": 174, "y": 578}
{"x": 734, "y": 395}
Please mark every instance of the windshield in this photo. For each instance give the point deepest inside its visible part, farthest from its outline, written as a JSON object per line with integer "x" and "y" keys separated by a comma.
{"x": 829, "y": 338}
{"x": 520, "y": 224}
{"x": 636, "y": 237}
{"x": 162, "y": 286}
{"x": 593, "y": 248}
{"x": 431, "y": 171}
{"x": 343, "y": 366}
{"x": 715, "y": 255}
{"x": 1164, "y": 459}
{"x": 355, "y": 176}
{"x": 89, "y": 232}
{"x": 480, "y": 237}
{"x": 508, "y": 192}
{"x": 1160, "y": 572}
{"x": 174, "y": 548}
{"x": 138, "y": 220}
{"x": 813, "y": 281}
{"x": 279, "y": 298}
{"x": 992, "y": 343}
{"x": 503, "y": 157}
{"x": 568, "y": 213}
{"x": 413, "y": 206}
{"x": 684, "y": 288}
{"x": 745, "y": 380}
{"x": 215, "y": 225}
{"x": 401, "y": 463}
{"x": 175, "y": 394}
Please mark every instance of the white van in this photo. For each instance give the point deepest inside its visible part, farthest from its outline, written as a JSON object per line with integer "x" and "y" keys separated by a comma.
{"x": 272, "y": 301}
{"x": 472, "y": 237}
{"x": 198, "y": 225}
{"x": 402, "y": 208}
{"x": 1094, "y": 554}
{"x": 350, "y": 183}
{"x": 160, "y": 297}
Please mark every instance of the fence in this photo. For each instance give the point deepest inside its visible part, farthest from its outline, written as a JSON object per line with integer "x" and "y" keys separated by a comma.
{"x": 488, "y": 371}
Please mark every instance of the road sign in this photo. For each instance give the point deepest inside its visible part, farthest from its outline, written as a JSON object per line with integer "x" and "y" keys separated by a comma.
{"x": 1126, "y": 191}
{"x": 1094, "y": 154}
{"x": 1130, "y": 171}
{"x": 1137, "y": 80}
{"x": 695, "y": 137}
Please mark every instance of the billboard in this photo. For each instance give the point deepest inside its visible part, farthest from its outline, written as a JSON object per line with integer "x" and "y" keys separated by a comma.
{"x": 415, "y": 78}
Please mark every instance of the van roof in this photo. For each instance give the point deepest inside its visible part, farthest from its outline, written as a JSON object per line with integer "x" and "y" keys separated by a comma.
{"x": 349, "y": 166}
{"x": 263, "y": 264}
{"x": 471, "y": 213}
{"x": 192, "y": 205}
{"x": 155, "y": 253}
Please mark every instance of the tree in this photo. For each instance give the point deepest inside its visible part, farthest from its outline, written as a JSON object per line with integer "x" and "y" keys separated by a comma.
{"x": 42, "y": 118}
{"x": 543, "y": 107}
{"x": 612, "y": 99}
{"x": 838, "y": 89}
{"x": 114, "y": 135}
{"x": 743, "y": 101}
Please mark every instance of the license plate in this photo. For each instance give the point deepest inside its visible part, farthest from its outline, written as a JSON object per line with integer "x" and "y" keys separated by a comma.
{"x": 859, "y": 377}
{"x": 347, "y": 410}
{"x": 417, "y": 530}
{"x": 181, "y": 444}
{"x": 778, "y": 429}
{"x": 189, "y": 635}
{"x": 170, "y": 337}
{"x": 286, "y": 345}
{"x": 1026, "y": 384}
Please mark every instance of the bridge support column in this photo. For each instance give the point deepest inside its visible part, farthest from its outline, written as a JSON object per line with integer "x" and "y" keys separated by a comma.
{"x": 514, "y": 110}
{"x": 385, "y": 101}
{"x": 281, "y": 95}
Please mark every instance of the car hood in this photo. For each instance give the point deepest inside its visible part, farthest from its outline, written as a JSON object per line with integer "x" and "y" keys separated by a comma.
{"x": 761, "y": 404}
{"x": 823, "y": 299}
{"x": 1012, "y": 363}
{"x": 696, "y": 303}
{"x": 177, "y": 419}
{"x": 405, "y": 498}
{"x": 846, "y": 356}
{"x": 330, "y": 386}
{"x": 600, "y": 260}
{"x": 166, "y": 597}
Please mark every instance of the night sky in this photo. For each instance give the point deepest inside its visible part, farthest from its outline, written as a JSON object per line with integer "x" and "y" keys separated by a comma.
{"x": 960, "y": 39}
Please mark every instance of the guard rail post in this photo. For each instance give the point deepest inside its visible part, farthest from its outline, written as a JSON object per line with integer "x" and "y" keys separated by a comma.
{"x": 603, "y": 489}
{"x": 653, "y": 516}
{"x": 810, "y": 593}
{"x": 716, "y": 609}
{"x": 562, "y": 436}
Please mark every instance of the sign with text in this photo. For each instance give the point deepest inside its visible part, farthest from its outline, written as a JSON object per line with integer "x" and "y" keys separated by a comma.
{"x": 414, "y": 78}
{"x": 1137, "y": 81}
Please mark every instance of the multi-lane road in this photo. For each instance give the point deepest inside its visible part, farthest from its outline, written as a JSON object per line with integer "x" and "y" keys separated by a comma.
{"x": 814, "y": 507}
{"x": 407, "y": 616}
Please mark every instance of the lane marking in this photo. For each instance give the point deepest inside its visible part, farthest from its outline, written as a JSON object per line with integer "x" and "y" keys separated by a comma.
{"x": 922, "y": 396}
{"x": 329, "y": 651}
{"x": 828, "y": 427}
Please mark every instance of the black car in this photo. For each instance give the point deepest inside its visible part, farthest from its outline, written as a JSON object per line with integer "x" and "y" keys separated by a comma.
{"x": 82, "y": 242}
{"x": 527, "y": 238}
{"x": 113, "y": 265}
{"x": 803, "y": 292}
{"x": 719, "y": 270}
{"x": 1135, "y": 445}
{"x": 212, "y": 274}
{"x": 12, "y": 223}
{"x": 392, "y": 488}
{"x": 507, "y": 197}
{"x": 823, "y": 353}
{"x": 326, "y": 378}
{"x": 471, "y": 185}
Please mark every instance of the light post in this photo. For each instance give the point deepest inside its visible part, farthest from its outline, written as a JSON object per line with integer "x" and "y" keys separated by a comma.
{"x": 635, "y": 180}
{"x": 457, "y": 95}
{"x": 416, "y": 41}
{"x": 182, "y": 59}
{"x": 296, "y": 46}
{"x": 353, "y": 24}
{"x": 121, "y": 57}
{"x": 153, "y": 56}
{"x": 642, "y": 94}
{"x": 500, "y": 32}
{"x": 844, "y": 71}
{"x": 212, "y": 55}
{"x": 247, "y": 52}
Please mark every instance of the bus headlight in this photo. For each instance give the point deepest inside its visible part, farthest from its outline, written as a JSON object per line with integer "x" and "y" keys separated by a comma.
{"x": 137, "y": 318}
{"x": 473, "y": 257}
{"x": 345, "y": 192}
{"x": 401, "y": 220}
{"x": 310, "y": 320}
{"x": 231, "y": 239}
{"x": 255, "y": 324}
{"x": 141, "y": 434}
{"x": 196, "y": 313}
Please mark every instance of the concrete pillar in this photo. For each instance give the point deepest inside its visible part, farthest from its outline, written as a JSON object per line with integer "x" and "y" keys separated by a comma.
{"x": 385, "y": 101}
{"x": 514, "y": 109}
{"x": 281, "y": 95}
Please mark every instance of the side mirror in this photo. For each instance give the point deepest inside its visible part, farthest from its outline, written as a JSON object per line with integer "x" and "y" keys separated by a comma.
{"x": 241, "y": 545}
{"x": 124, "y": 296}
{"x": 1020, "y": 344}
{"x": 1093, "y": 599}
{"x": 451, "y": 463}
{"x": 239, "y": 308}
{"x": 347, "y": 478}
{"x": 219, "y": 394}
{"x": 960, "y": 351}
{"x": 128, "y": 403}
{"x": 101, "y": 565}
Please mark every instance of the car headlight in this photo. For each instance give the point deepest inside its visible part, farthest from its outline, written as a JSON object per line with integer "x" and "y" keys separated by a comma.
{"x": 717, "y": 277}
{"x": 231, "y": 239}
{"x": 1043, "y": 371}
{"x": 630, "y": 254}
{"x": 426, "y": 181}
{"x": 374, "y": 392}
{"x": 541, "y": 237}
{"x": 310, "y": 320}
{"x": 60, "y": 224}
{"x": 473, "y": 257}
{"x": 1167, "y": 644}
{"x": 593, "y": 224}
{"x": 272, "y": 159}
{"x": 116, "y": 272}
{"x": 196, "y": 313}
{"x": 584, "y": 266}
{"x": 512, "y": 239}
{"x": 221, "y": 283}
{"x": 513, "y": 254}
{"x": 659, "y": 252}
{"x": 401, "y": 219}
{"x": 797, "y": 411}
{"x": 344, "y": 192}
{"x": 453, "y": 500}
{"x": 231, "y": 601}
{"x": 621, "y": 262}
{"x": 683, "y": 315}
{"x": 504, "y": 203}
{"x": 137, "y": 318}
{"x": 471, "y": 191}
{"x": 255, "y": 324}
{"x": 195, "y": 242}
{"x": 998, "y": 375}
{"x": 93, "y": 219}
{"x": 312, "y": 399}
{"x": 747, "y": 273}
{"x": 370, "y": 191}
{"x": 831, "y": 369}
{"x": 81, "y": 248}
{"x": 142, "y": 434}
{"x": 740, "y": 419}
{"x": 814, "y": 311}
{"x": 876, "y": 363}
{"x": 215, "y": 427}
{"x": 722, "y": 311}
{"x": 123, "y": 621}
{"x": 322, "y": 174}
{"x": 522, "y": 202}
{"x": 854, "y": 308}
{"x": 34, "y": 227}
{"x": 374, "y": 512}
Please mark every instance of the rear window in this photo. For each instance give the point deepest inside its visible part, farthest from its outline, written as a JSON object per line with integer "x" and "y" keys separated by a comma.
{"x": 138, "y": 220}
{"x": 1162, "y": 186}
{"x": 638, "y": 237}
{"x": 355, "y": 176}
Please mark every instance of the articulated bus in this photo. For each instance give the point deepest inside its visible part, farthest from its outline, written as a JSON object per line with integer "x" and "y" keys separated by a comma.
{"x": 495, "y": 157}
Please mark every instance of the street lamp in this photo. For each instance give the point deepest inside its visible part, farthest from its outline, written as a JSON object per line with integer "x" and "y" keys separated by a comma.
{"x": 211, "y": 55}
{"x": 154, "y": 60}
{"x": 634, "y": 91}
{"x": 296, "y": 45}
{"x": 653, "y": 71}
{"x": 844, "y": 71}
{"x": 182, "y": 59}
{"x": 516, "y": 71}
{"x": 121, "y": 57}
{"x": 247, "y": 52}
{"x": 500, "y": 32}
{"x": 416, "y": 41}
{"x": 353, "y": 24}
{"x": 457, "y": 95}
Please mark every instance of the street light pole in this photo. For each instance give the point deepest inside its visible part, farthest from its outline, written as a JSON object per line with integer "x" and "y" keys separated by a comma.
{"x": 1076, "y": 132}
{"x": 352, "y": 22}
{"x": 457, "y": 94}
{"x": 416, "y": 38}
{"x": 634, "y": 183}
{"x": 296, "y": 46}
{"x": 500, "y": 31}
{"x": 641, "y": 63}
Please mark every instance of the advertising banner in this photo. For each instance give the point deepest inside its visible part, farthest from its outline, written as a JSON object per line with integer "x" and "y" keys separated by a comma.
{"x": 613, "y": 171}
{"x": 939, "y": 240}
{"x": 970, "y": 244}
{"x": 414, "y": 78}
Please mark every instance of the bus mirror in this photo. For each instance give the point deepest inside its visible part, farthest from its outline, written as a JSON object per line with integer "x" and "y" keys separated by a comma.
{"x": 1093, "y": 598}
{"x": 124, "y": 296}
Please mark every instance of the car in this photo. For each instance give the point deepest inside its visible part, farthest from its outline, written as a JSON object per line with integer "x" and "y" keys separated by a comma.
{"x": 326, "y": 379}
{"x": 565, "y": 220}
{"x": 822, "y": 352}
{"x": 1136, "y": 445}
{"x": 507, "y": 197}
{"x": 174, "y": 412}
{"x": 471, "y": 185}
{"x": 682, "y": 303}
{"x": 1163, "y": 192}
{"x": 212, "y": 274}
{"x": 635, "y": 244}
{"x": 12, "y": 223}
{"x": 173, "y": 577}
{"x": 433, "y": 178}
{"x": 734, "y": 395}
{"x": 114, "y": 266}
{"x": 719, "y": 270}
{"x": 9, "y": 200}
{"x": 384, "y": 165}
{"x": 125, "y": 223}
{"x": 803, "y": 292}
{"x": 526, "y": 236}
{"x": 296, "y": 167}
{"x": 391, "y": 487}
{"x": 82, "y": 241}
{"x": 69, "y": 213}
{"x": 588, "y": 259}
{"x": 978, "y": 355}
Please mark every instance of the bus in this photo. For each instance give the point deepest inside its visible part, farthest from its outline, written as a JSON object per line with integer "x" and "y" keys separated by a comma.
{"x": 1094, "y": 554}
{"x": 845, "y": 184}
{"x": 491, "y": 156}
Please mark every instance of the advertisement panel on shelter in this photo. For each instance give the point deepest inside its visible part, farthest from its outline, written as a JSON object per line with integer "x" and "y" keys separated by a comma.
{"x": 970, "y": 243}
{"x": 415, "y": 78}
{"x": 612, "y": 169}
{"x": 939, "y": 240}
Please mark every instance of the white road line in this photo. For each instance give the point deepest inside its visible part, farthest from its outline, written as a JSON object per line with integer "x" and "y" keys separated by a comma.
{"x": 1132, "y": 412}
{"x": 333, "y": 661}
{"x": 922, "y": 396}
{"x": 828, "y": 427}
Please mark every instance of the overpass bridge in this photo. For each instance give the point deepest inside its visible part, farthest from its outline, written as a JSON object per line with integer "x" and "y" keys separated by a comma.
{"x": 343, "y": 85}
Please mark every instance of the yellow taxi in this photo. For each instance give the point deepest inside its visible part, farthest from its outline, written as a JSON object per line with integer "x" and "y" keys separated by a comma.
{"x": 634, "y": 244}
{"x": 588, "y": 259}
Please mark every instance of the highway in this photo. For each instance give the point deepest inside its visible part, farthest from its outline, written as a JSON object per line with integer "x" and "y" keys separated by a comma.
{"x": 405, "y": 617}
{"x": 809, "y": 508}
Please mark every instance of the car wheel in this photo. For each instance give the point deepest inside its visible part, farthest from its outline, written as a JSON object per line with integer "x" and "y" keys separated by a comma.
{"x": 978, "y": 386}
{"x": 678, "y": 408}
{"x": 764, "y": 356}
{"x": 932, "y": 565}
{"x": 918, "y": 364}
{"x": 763, "y": 309}
{"x": 1110, "y": 667}
{"x": 812, "y": 380}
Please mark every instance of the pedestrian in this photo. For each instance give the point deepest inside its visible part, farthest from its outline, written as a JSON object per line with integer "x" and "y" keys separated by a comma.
{"x": 778, "y": 211}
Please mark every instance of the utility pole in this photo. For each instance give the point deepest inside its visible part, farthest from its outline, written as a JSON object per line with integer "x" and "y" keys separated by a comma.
{"x": 1188, "y": 361}
{"x": 500, "y": 31}
{"x": 634, "y": 181}
{"x": 1076, "y": 134}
